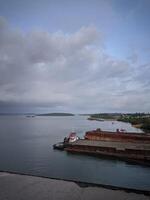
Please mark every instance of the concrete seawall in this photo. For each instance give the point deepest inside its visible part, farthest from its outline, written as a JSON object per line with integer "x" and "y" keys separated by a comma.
{"x": 22, "y": 187}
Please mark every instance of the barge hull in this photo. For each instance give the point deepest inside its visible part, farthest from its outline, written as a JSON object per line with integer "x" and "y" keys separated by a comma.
{"x": 130, "y": 151}
{"x": 100, "y": 135}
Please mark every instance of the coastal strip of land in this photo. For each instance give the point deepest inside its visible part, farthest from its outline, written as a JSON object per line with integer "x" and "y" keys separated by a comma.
{"x": 138, "y": 120}
{"x": 18, "y": 186}
{"x": 56, "y": 114}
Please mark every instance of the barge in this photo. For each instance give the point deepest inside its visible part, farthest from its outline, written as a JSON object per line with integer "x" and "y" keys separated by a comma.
{"x": 128, "y": 146}
{"x": 126, "y": 150}
{"x": 118, "y": 136}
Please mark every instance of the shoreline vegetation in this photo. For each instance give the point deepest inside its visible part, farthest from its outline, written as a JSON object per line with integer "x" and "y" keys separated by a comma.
{"x": 56, "y": 114}
{"x": 104, "y": 117}
{"x": 95, "y": 119}
{"x": 138, "y": 120}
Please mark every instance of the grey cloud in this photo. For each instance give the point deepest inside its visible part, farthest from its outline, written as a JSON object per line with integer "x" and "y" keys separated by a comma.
{"x": 133, "y": 58}
{"x": 65, "y": 71}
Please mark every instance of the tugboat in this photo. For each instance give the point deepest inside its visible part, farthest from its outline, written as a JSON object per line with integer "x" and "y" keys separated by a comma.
{"x": 72, "y": 137}
{"x": 67, "y": 140}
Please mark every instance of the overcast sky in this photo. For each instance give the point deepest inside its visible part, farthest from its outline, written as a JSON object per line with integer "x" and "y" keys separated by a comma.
{"x": 81, "y": 56}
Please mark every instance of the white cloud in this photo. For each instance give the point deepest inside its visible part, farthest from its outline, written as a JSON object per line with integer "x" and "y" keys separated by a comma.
{"x": 67, "y": 71}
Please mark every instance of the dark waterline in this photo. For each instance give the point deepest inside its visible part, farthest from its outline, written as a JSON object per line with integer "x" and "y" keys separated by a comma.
{"x": 26, "y": 147}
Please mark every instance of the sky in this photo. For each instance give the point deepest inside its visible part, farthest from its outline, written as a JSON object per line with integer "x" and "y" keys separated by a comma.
{"x": 83, "y": 56}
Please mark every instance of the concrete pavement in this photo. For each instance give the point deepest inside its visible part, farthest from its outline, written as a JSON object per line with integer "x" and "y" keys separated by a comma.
{"x": 23, "y": 187}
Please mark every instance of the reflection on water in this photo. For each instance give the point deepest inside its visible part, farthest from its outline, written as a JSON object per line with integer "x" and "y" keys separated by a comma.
{"x": 26, "y": 146}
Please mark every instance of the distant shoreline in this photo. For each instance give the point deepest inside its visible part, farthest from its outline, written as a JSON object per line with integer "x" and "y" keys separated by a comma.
{"x": 100, "y": 119}
{"x": 56, "y": 114}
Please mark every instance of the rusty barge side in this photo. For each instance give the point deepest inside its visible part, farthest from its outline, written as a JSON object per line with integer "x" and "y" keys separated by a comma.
{"x": 128, "y": 150}
{"x": 100, "y": 135}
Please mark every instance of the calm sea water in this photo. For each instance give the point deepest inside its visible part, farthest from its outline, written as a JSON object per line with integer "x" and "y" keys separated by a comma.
{"x": 26, "y": 146}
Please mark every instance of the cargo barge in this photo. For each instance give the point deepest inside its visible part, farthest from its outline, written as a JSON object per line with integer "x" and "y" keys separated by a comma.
{"x": 127, "y": 146}
{"x": 118, "y": 136}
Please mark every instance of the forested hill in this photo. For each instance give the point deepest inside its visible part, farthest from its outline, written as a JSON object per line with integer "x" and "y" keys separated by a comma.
{"x": 56, "y": 114}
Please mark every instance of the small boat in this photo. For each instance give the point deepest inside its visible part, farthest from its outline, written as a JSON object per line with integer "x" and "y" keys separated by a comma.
{"x": 122, "y": 130}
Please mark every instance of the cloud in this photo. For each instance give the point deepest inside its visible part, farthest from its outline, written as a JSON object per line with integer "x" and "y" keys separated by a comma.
{"x": 133, "y": 58}
{"x": 71, "y": 72}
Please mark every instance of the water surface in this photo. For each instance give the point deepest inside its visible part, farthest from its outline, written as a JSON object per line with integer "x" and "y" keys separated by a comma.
{"x": 26, "y": 146}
